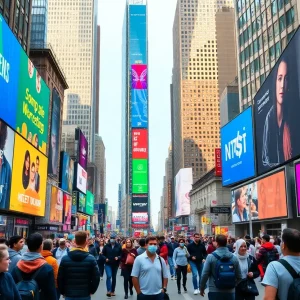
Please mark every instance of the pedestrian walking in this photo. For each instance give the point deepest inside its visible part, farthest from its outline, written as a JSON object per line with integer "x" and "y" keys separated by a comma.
{"x": 171, "y": 247}
{"x": 78, "y": 274}
{"x": 127, "y": 259}
{"x": 223, "y": 271}
{"x": 8, "y": 289}
{"x": 112, "y": 252}
{"x": 91, "y": 247}
{"x": 150, "y": 273}
{"x": 163, "y": 249}
{"x": 249, "y": 270}
{"x": 197, "y": 257}
{"x": 180, "y": 260}
{"x": 142, "y": 248}
{"x": 101, "y": 258}
{"x": 16, "y": 244}
{"x": 279, "y": 277}
{"x": 60, "y": 251}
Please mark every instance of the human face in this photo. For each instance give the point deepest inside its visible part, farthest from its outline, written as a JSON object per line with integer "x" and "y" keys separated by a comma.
{"x": 281, "y": 82}
{"x": 197, "y": 239}
{"x": 243, "y": 249}
{"x": 32, "y": 173}
{"x": 128, "y": 244}
{"x": 27, "y": 163}
{"x": 4, "y": 262}
{"x": 19, "y": 245}
{"x": 37, "y": 165}
{"x": 243, "y": 199}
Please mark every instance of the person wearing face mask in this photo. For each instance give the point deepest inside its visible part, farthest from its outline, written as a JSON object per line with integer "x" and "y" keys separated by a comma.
{"x": 148, "y": 271}
{"x": 249, "y": 270}
{"x": 180, "y": 260}
{"x": 112, "y": 252}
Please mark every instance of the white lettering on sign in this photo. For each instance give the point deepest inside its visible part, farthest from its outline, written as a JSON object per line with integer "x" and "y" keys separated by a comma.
{"x": 237, "y": 146}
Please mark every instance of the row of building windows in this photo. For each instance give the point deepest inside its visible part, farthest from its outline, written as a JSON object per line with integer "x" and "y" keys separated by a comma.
{"x": 250, "y": 6}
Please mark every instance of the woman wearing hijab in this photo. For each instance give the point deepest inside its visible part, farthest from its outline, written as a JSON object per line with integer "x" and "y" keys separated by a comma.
{"x": 249, "y": 271}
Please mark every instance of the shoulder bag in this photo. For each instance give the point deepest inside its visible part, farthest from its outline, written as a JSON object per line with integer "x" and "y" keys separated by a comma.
{"x": 166, "y": 296}
{"x": 129, "y": 259}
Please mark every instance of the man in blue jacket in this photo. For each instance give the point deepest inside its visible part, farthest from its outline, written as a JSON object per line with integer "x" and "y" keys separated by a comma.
{"x": 171, "y": 247}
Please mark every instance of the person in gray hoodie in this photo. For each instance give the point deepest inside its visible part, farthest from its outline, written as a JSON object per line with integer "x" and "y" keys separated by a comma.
{"x": 209, "y": 272}
{"x": 16, "y": 244}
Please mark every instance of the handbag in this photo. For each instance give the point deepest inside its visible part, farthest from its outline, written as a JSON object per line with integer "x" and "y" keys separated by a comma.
{"x": 248, "y": 286}
{"x": 129, "y": 259}
{"x": 166, "y": 296}
{"x": 189, "y": 269}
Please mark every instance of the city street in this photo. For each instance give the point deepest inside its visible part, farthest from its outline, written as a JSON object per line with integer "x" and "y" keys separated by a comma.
{"x": 172, "y": 290}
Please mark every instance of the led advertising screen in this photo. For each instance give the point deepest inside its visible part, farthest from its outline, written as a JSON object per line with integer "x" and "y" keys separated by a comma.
{"x": 277, "y": 104}
{"x": 53, "y": 155}
{"x": 297, "y": 179}
{"x": 7, "y": 140}
{"x": 24, "y": 100}
{"x": 91, "y": 180}
{"x": 82, "y": 154}
{"x": 81, "y": 202}
{"x": 139, "y": 143}
{"x": 67, "y": 209}
{"x": 66, "y": 172}
{"x": 29, "y": 177}
{"x": 138, "y": 34}
{"x": 56, "y": 205}
{"x": 89, "y": 207}
{"x": 102, "y": 214}
{"x": 139, "y": 176}
{"x": 140, "y": 218}
{"x": 264, "y": 199}
{"x": 183, "y": 186}
{"x": 237, "y": 149}
{"x": 139, "y": 108}
{"x": 74, "y": 203}
{"x": 140, "y": 204}
{"x": 139, "y": 79}
{"x": 81, "y": 179}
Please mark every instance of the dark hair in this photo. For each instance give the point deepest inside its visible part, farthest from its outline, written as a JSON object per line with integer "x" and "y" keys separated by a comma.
{"x": 131, "y": 242}
{"x": 80, "y": 238}
{"x": 266, "y": 237}
{"x": 27, "y": 154}
{"x": 14, "y": 240}
{"x": 161, "y": 237}
{"x": 142, "y": 242}
{"x": 48, "y": 244}
{"x": 291, "y": 238}
{"x": 195, "y": 234}
{"x": 277, "y": 241}
{"x": 237, "y": 195}
{"x": 37, "y": 158}
{"x": 221, "y": 240}
{"x": 34, "y": 241}
{"x": 181, "y": 240}
{"x": 150, "y": 238}
{"x": 3, "y": 241}
{"x": 3, "y": 135}
{"x": 33, "y": 165}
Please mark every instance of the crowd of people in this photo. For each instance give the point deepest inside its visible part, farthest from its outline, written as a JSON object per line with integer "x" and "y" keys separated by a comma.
{"x": 49, "y": 269}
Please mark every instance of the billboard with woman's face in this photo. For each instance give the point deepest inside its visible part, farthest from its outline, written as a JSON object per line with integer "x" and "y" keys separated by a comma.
{"x": 56, "y": 206}
{"x": 66, "y": 172}
{"x": 277, "y": 104}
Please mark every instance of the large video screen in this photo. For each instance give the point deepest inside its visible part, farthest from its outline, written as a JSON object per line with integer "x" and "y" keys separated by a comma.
{"x": 139, "y": 108}
{"x": 139, "y": 143}
{"x": 263, "y": 199}
{"x": 277, "y": 104}
{"x": 66, "y": 172}
{"x": 82, "y": 155}
{"x": 297, "y": 180}
{"x": 139, "y": 176}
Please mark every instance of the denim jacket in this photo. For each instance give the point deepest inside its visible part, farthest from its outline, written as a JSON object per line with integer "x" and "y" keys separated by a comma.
{"x": 5, "y": 183}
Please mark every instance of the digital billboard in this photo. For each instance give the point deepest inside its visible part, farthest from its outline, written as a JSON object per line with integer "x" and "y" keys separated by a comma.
{"x": 81, "y": 202}
{"x": 183, "y": 186}
{"x": 265, "y": 199}
{"x": 91, "y": 180}
{"x": 29, "y": 178}
{"x": 89, "y": 206}
{"x": 7, "y": 140}
{"x": 140, "y": 204}
{"x": 82, "y": 150}
{"x": 297, "y": 180}
{"x": 74, "y": 203}
{"x": 139, "y": 176}
{"x": 102, "y": 213}
{"x": 139, "y": 77}
{"x": 66, "y": 172}
{"x": 67, "y": 209}
{"x": 53, "y": 155}
{"x": 139, "y": 108}
{"x": 137, "y": 34}
{"x": 237, "y": 149}
{"x": 277, "y": 104}
{"x": 81, "y": 178}
{"x": 24, "y": 100}
{"x": 140, "y": 218}
{"x": 56, "y": 205}
{"x": 139, "y": 143}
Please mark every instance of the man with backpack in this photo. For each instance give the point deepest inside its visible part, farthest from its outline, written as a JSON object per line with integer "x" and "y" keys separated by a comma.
{"x": 15, "y": 246}
{"x": 281, "y": 279}
{"x": 223, "y": 271}
{"x": 267, "y": 253}
{"x": 33, "y": 276}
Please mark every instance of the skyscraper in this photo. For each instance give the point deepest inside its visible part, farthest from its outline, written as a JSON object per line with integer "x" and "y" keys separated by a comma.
{"x": 195, "y": 93}
{"x": 135, "y": 164}
{"x": 100, "y": 162}
{"x": 39, "y": 22}
{"x": 263, "y": 30}
{"x": 72, "y": 32}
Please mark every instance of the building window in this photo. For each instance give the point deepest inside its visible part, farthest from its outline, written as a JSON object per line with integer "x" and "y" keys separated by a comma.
{"x": 261, "y": 60}
{"x": 265, "y": 38}
{"x": 278, "y": 49}
{"x": 262, "y": 79}
{"x": 290, "y": 35}
{"x": 280, "y": 5}
{"x": 290, "y": 17}
{"x": 267, "y": 61}
{"x": 272, "y": 53}
{"x": 276, "y": 28}
{"x": 244, "y": 92}
{"x": 270, "y": 33}
{"x": 282, "y": 23}
{"x": 274, "y": 7}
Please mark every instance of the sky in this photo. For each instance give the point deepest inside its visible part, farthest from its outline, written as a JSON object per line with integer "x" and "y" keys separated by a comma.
{"x": 160, "y": 62}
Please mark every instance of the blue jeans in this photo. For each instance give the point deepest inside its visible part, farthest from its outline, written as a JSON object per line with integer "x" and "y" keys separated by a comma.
{"x": 111, "y": 277}
{"x": 196, "y": 270}
{"x": 220, "y": 295}
{"x": 171, "y": 264}
{"x": 80, "y": 298}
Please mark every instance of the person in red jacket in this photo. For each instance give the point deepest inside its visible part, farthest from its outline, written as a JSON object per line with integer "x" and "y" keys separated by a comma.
{"x": 211, "y": 246}
{"x": 163, "y": 249}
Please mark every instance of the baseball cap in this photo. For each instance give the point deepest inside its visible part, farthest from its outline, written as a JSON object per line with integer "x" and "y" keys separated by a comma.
{"x": 247, "y": 237}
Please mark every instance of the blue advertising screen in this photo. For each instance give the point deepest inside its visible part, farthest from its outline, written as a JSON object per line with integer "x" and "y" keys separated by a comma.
{"x": 238, "y": 149}
{"x": 137, "y": 34}
{"x": 139, "y": 108}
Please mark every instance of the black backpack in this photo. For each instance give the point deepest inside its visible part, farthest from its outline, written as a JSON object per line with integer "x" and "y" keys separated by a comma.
{"x": 294, "y": 289}
{"x": 270, "y": 256}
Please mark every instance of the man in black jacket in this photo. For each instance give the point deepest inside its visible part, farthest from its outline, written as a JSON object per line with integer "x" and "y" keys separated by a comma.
{"x": 171, "y": 247}
{"x": 198, "y": 255}
{"x": 78, "y": 274}
{"x": 112, "y": 254}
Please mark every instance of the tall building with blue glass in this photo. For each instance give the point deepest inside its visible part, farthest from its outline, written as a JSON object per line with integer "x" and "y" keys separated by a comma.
{"x": 39, "y": 23}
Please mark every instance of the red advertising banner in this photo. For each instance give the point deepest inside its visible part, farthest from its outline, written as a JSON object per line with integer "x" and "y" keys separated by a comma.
{"x": 136, "y": 226}
{"x": 140, "y": 143}
{"x": 140, "y": 218}
{"x": 218, "y": 162}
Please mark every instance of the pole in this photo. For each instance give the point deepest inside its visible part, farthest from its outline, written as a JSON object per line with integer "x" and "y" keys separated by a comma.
{"x": 250, "y": 221}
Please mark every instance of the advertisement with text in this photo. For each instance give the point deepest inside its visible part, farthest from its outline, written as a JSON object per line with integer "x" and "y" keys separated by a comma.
{"x": 82, "y": 148}
{"x": 67, "y": 209}
{"x": 81, "y": 179}
{"x": 56, "y": 206}
{"x": 140, "y": 204}
{"x": 139, "y": 108}
{"x": 140, "y": 218}
{"x": 81, "y": 202}
{"x": 140, "y": 143}
{"x": 139, "y": 176}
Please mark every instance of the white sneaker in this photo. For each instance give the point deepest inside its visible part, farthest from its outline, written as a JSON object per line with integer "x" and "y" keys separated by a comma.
{"x": 196, "y": 292}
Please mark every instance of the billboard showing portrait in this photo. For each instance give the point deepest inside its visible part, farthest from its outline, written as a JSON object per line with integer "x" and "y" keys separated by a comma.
{"x": 29, "y": 178}
{"x": 53, "y": 155}
{"x": 183, "y": 186}
{"x": 7, "y": 140}
{"x": 82, "y": 150}
{"x": 140, "y": 204}
{"x": 66, "y": 172}
{"x": 67, "y": 209}
{"x": 139, "y": 176}
{"x": 56, "y": 205}
{"x": 139, "y": 143}
{"x": 139, "y": 108}
{"x": 139, "y": 77}
{"x": 265, "y": 198}
{"x": 276, "y": 111}
{"x": 237, "y": 149}
{"x": 89, "y": 205}
{"x": 81, "y": 179}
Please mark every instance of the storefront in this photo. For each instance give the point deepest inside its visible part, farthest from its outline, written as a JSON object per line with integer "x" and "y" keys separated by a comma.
{"x": 12, "y": 225}
{"x": 47, "y": 231}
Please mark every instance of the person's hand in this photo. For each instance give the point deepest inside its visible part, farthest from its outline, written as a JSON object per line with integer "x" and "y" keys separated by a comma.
{"x": 162, "y": 290}
{"x": 202, "y": 293}
{"x": 175, "y": 267}
{"x": 107, "y": 260}
{"x": 132, "y": 254}
{"x": 194, "y": 258}
{"x": 116, "y": 258}
{"x": 203, "y": 260}
{"x": 250, "y": 275}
